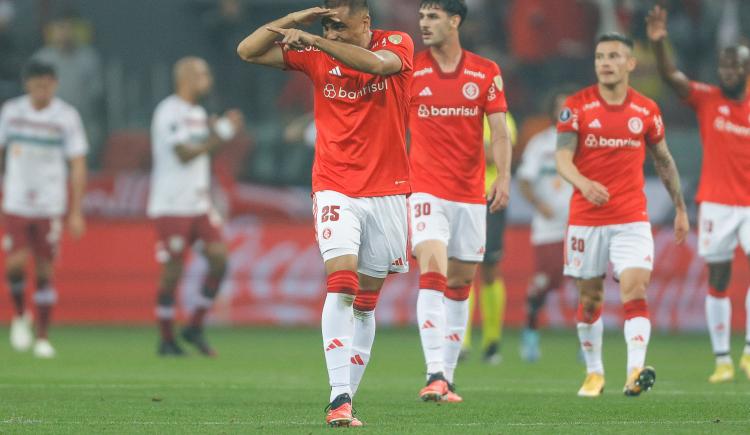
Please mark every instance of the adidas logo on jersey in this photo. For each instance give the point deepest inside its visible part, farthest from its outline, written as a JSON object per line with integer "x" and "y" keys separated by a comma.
{"x": 398, "y": 262}
{"x": 595, "y": 124}
{"x": 426, "y": 92}
{"x": 335, "y": 72}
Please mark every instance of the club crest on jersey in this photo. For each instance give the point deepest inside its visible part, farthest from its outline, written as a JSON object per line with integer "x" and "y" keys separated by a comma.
{"x": 326, "y": 233}
{"x": 724, "y": 110}
{"x": 565, "y": 115}
{"x": 635, "y": 125}
{"x": 471, "y": 91}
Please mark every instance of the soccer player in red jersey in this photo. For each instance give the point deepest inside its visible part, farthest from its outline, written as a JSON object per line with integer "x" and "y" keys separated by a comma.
{"x": 724, "y": 192}
{"x": 360, "y": 180}
{"x": 604, "y": 132}
{"x": 452, "y": 90}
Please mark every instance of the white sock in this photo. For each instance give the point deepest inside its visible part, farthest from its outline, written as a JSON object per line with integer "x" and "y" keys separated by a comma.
{"x": 591, "y": 337}
{"x": 431, "y": 319}
{"x": 637, "y": 335}
{"x": 456, "y": 316}
{"x": 719, "y": 317}
{"x": 747, "y": 327}
{"x": 338, "y": 329}
{"x": 364, "y": 336}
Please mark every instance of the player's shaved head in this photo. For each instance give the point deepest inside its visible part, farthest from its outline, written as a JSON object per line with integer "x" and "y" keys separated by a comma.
{"x": 192, "y": 77}
{"x": 734, "y": 67}
{"x": 616, "y": 37}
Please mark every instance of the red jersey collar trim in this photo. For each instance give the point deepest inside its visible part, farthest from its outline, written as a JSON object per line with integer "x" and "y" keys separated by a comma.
{"x": 445, "y": 75}
{"x": 614, "y": 107}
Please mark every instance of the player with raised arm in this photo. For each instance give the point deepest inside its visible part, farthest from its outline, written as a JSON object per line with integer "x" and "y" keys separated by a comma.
{"x": 360, "y": 175}
{"x": 183, "y": 138}
{"x": 40, "y": 136}
{"x": 604, "y": 134}
{"x": 724, "y": 192}
{"x": 452, "y": 90}
{"x": 549, "y": 194}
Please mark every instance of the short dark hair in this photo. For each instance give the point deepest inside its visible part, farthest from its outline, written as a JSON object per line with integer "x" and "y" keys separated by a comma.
{"x": 353, "y": 5}
{"x": 617, "y": 37}
{"x": 452, "y": 7}
{"x": 36, "y": 68}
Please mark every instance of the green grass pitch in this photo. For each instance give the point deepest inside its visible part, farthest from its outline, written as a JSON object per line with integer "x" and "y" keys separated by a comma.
{"x": 108, "y": 380}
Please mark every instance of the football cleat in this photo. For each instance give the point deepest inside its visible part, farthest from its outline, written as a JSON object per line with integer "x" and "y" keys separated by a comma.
{"x": 745, "y": 364}
{"x": 356, "y": 422}
{"x": 492, "y": 354}
{"x": 593, "y": 385}
{"x": 43, "y": 349}
{"x": 436, "y": 388}
{"x": 451, "y": 396}
{"x": 21, "y": 337}
{"x": 723, "y": 373}
{"x": 196, "y": 337}
{"x": 530, "y": 345}
{"x": 339, "y": 412}
{"x": 640, "y": 381}
{"x": 170, "y": 348}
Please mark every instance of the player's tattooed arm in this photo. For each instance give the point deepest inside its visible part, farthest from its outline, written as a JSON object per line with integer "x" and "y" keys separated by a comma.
{"x": 656, "y": 27}
{"x": 667, "y": 171}
{"x": 594, "y": 192}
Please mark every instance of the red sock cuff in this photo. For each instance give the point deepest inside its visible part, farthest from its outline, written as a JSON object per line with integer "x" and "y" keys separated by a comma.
{"x": 343, "y": 281}
{"x": 636, "y": 308}
{"x": 716, "y": 293}
{"x": 583, "y": 316}
{"x": 458, "y": 293}
{"x": 433, "y": 281}
{"x": 366, "y": 300}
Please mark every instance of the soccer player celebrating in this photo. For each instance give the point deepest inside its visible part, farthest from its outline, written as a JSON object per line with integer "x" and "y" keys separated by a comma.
{"x": 549, "y": 194}
{"x": 604, "y": 132}
{"x": 42, "y": 134}
{"x": 452, "y": 90}
{"x": 183, "y": 138}
{"x": 361, "y": 172}
{"x": 724, "y": 191}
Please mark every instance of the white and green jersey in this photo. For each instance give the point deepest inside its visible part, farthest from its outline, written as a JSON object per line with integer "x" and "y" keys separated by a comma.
{"x": 37, "y": 146}
{"x": 177, "y": 188}
{"x": 538, "y": 167}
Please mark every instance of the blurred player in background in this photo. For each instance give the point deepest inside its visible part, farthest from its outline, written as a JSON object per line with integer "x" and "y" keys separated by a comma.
{"x": 604, "y": 132}
{"x": 452, "y": 90}
{"x": 724, "y": 192}
{"x": 183, "y": 139}
{"x": 41, "y": 135}
{"x": 549, "y": 194}
{"x": 492, "y": 294}
{"x": 360, "y": 176}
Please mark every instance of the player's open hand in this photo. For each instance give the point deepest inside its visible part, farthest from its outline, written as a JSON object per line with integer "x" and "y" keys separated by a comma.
{"x": 681, "y": 226}
{"x": 499, "y": 194}
{"x": 656, "y": 24}
{"x": 294, "y": 39}
{"x": 309, "y": 16}
{"x": 76, "y": 224}
{"x": 595, "y": 193}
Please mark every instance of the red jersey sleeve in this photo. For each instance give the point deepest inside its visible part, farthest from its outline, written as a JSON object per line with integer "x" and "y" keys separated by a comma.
{"x": 402, "y": 46}
{"x": 655, "y": 132}
{"x": 699, "y": 92}
{"x": 568, "y": 119}
{"x": 496, "y": 101}
{"x": 300, "y": 60}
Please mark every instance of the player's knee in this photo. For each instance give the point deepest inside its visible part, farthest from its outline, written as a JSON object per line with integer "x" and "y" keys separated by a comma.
{"x": 458, "y": 293}
{"x": 170, "y": 276}
{"x": 15, "y": 263}
{"x": 459, "y": 281}
{"x": 718, "y": 278}
{"x": 635, "y": 290}
{"x": 366, "y": 301}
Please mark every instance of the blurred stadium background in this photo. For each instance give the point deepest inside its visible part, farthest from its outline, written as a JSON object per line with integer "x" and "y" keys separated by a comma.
{"x": 114, "y": 59}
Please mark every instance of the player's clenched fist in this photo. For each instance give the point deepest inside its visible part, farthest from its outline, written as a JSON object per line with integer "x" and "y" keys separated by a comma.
{"x": 499, "y": 194}
{"x": 595, "y": 193}
{"x": 309, "y": 16}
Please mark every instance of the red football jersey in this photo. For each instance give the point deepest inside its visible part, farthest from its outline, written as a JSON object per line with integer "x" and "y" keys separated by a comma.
{"x": 611, "y": 150}
{"x": 446, "y": 122}
{"x": 725, "y": 132}
{"x": 360, "y": 118}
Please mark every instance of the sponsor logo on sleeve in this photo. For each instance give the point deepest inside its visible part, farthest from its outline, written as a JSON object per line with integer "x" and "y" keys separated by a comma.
{"x": 498, "y": 81}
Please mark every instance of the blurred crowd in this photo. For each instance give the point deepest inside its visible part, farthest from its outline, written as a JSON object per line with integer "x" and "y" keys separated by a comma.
{"x": 539, "y": 44}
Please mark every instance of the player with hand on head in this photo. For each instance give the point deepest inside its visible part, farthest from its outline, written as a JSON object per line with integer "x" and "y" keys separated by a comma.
{"x": 604, "y": 134}
{"x": 452, "y": 90}
{"x": 42, "y": 135}
{"x": 724, "y": 192}
{"x": 360, "y": 175}
{"x": 183, "y": 139}
{"x": 549, "y": 194}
